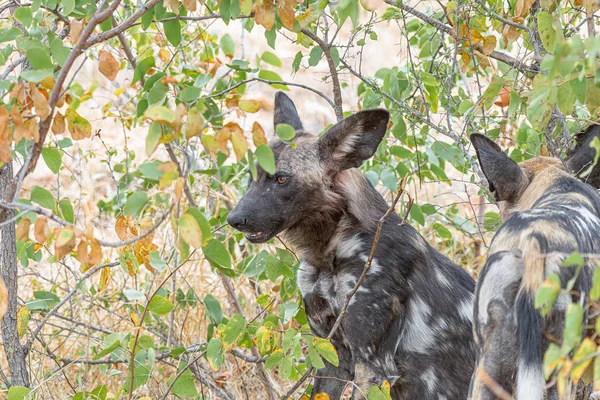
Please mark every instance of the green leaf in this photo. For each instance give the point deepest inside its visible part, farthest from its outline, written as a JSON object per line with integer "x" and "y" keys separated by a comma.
{"x": 224, "y": 10}
{"x": 216, "y": 253}
{"x": 158, "y": 93}
{"x": 285, "y": 131}
{"x": 43, "y": 300}
{"x": 66, "y": 209}
{"x": 53, "y": 158}
{"x": 551, "y": 359}
{"x": 274, "y": 359}
{"x": 59, "y": 51}
{"x": 389, "y": 180}
{"x": 573, "y": 327}
{"x": 417, "y": 214}
{"x": 68, "y": 6}
{"x": 205, "y": 227}
{"x": 214, "y": 353}
{"x": 39, "y": 58}
{"x": 491, "y": 93}
{"x": 297, "y": 61}
{"x": 135, "y": 203}
{"x": 214, "y": 308}
{"x": 549, "y": 29}
{"x": 153, "y": 138}
{"x": 18, "y": 392}
{"x": 265, "y": 158}
{"x": 36, "y": 75}
{"x": 315, "y": 358}
{"x": 234, "y": 330}
{"x": 227, "y": 45}
{"x": 547, "y": 294}
{"x": 272, "y": 76}
{"x": 326, "y": 350}
{"x": 43, "y": 197}
{"x": 160, "y": 305}
{"x": 23, "y": 14}
{"x": 190, "y": 232}
{"x": 184, "y": 386}
{"x": 566, "y": 98}
{"x": 315, "y": 56}
{"x": 172, "y": 31}
{"x": 575, "y": 259}
{"x": 8, "y": 35}
{"x": 595, "y": 292}
{"x": 376, "y": 393}
{"x": 272, "y": 59}
{"x": 141, "y": 69}
{"x": 116, "y": 344}
{"x": 160, "y": 114}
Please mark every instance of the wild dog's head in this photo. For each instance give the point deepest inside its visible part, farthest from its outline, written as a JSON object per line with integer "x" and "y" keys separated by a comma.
{"x": 516, "y": 187}
{"x": 582, "y": 156}
{"x": 306, "y": 175}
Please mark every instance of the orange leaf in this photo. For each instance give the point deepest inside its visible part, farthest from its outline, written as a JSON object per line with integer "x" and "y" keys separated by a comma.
{"x": 23, "y": 229}
{"x": 121, "y": 228}
{"x": 40, "y": 103}
{"x": 258, "y": 135}
{"x": 286, "y": 12}
{"x": 76, "y": 29}
{"x": 108, "y": 65}
{"x": 41, "y": 230}
{"x": 264, "y": 13}
{"x": 503, "y": 98}
{"x": 5, "y": 139}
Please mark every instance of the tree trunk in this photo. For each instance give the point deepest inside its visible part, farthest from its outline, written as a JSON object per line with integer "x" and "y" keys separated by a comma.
{"x": 16, "y": 353}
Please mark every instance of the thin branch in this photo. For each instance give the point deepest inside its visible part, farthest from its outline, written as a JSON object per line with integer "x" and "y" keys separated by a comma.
{"x": 335, "y": 80}
{"x": 64, "y": 300}
{"x": 491, "y": 384}
{"x": 321, "y": 94}
{"x": 201, "y": 17}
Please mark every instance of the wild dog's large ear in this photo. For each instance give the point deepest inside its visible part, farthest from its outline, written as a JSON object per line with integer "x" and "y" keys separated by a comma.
{"x": 354, "y": 139}
{"x": 285, "y": 112}
{"x": 506, "y": 179}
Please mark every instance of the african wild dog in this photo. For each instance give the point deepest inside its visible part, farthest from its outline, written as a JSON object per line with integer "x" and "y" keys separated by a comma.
{"x": 582, "y": 156}
{"x": 411, "y": 320}
{"x": 548, "y": 215}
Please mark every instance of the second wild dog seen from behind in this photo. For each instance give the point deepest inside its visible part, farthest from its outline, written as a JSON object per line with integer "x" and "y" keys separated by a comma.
{"x": 411, "y": 320}
{"x": 548, "y": 214}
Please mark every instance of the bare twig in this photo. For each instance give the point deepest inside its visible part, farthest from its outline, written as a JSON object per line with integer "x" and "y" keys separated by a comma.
{"x": 335, "y": 80}
{"x": 491, "y": 384}
{"x": 331, "y": 103}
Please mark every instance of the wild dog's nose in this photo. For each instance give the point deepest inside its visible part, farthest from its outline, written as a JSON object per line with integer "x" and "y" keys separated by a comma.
{"x": 237, "y": 220}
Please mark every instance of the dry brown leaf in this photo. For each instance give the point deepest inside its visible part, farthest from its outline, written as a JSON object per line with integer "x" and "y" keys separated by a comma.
{"x": 5, "y": 139}
{"x": 509, "y": 34}
{"x": 189, "y": 5}
{"x": 3, "y": 299}
{"x": 522, "y": 7}
{"x": 20, "y": 130}
{"x": 59, "y": 124}
{"x": 121, "y": 228}
{"x": 41, "y": 230}
{"x": 258, "y": 134}
{"x": 18, "y": 92}
{"x": 179, "y": 188}
{"x": 264, "y": 13}
{"x": 65, "y": 242}
{"x": 40, "y": 103}
{"x": 108, "y": 65}
{"x": 75, "y": 31}
{"x": 286, "y": 12}
{"x": 235, "y": 134}
{"x": 489, "y": 44}
{"x": 82, "y": 252}
{"x": 194, "y": 124}
{"x": 23, "y": 229}
{"x": 33, "y": 128}
{"x": 173, "y": 5}
{"x": 503, "y": 98}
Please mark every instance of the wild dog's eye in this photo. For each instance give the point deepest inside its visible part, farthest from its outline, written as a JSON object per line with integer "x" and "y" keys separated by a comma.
{"x": 282, "y": 179}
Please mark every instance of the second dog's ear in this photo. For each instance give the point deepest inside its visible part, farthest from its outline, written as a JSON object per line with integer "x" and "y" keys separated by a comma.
{"x": 285, "y": 112}
{"x": 506, "y": 179}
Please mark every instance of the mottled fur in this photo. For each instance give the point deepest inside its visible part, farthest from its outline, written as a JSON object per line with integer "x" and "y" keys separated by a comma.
{"x": 581, "y": 157}
{"x": 548, "y": 215}
{"x": 410, "y": 321}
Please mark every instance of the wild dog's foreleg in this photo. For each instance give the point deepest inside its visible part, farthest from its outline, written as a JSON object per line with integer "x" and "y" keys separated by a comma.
{"x": 332, "y": 380}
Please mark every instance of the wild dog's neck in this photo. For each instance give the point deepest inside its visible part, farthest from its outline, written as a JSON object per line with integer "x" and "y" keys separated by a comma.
{"x": 352, "y": 205}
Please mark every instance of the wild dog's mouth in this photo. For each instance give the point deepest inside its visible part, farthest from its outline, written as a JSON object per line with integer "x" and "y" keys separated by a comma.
{"x": 258, "y": 237}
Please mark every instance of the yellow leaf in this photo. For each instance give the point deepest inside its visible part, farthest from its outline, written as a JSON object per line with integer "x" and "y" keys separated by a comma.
{"x": 250, "y": 106}
{"x": 237, "y": 138}
{"x": 586, "y": 348}
{"x": 65, "y": 242}
{"x": 189, "y": 230}
{"x": 264, "y": 13}
{"x": 33, "y": 128}
{"x": 121, "y": 227}
{"x": 258, "y": 135}
{"x": 160, "y": 114}
{"x": 20, "y": 130}
{"x": 41, "y": 230}
{"x": 286, "y": 12}
{"x": 475, "y": 36}
{"x": 59, "y": 124}
{"x": 76, "y": 29}
{"x": 179, "y": 184}
{"x": 189, "y": 5}
{"x": 489, "y": 44}
{"x": 104, "y": 276}
{"x": 165, "y": 55}
{"x": 134, "y": 318}
{"x": 108, "y": 65}
{"x": 79, "y": 127}
{"x": 195, "y": 123}
{"x": 23, "y": 316}
{"x": 40, "y": 103}
{"x": 5, "y": 139}
{"x": 321, "y": 396}
{"x": 180, "y": 112}
{"x": 173, "y": 5}
{"x": 23, "y": 229}
{"x": 3, "y": 299}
